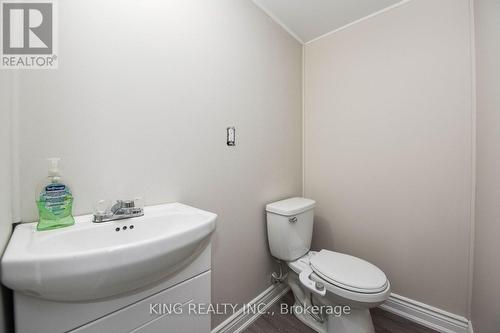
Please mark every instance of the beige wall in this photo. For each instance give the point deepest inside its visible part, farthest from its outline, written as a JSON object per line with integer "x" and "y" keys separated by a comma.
{"x": 5, "y": 179}
{"x": 140, "y": 105}
{"x": 388, "y": 146}
{"x": 486, "y": 290}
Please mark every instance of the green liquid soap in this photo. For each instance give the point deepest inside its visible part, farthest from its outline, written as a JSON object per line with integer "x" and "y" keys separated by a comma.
{"x": 55, "y": 216}
{"x": 54, "y": 201}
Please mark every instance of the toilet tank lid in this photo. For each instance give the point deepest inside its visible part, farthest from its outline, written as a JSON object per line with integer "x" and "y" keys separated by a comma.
{"x": 291, "y": 206}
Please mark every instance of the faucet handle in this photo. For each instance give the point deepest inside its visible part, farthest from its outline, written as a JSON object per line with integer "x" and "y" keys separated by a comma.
{"x": 127, "y": 203}
{"x": 127, "y": 206}
{"x": 101, "y": 207}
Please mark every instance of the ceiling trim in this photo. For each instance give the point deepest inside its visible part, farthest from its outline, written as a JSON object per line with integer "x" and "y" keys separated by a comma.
{"x": 277, "y": 20}
{"x": 269, "y": 13}
{"x": 382, "y": 11}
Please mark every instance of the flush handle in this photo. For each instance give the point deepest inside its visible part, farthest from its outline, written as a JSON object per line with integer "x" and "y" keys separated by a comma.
{"x": 292, "y": 219}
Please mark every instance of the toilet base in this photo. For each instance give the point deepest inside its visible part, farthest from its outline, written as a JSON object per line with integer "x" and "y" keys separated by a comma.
{"x": 308, "y": 320}
{"x": 358, "y": 321}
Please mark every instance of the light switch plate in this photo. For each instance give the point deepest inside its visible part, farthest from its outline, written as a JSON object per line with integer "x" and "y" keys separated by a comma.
{"x": 231, "y": 136}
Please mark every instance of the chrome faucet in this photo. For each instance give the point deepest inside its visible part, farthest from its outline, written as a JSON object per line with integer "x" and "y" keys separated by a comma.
{"x": 122, "y": 209}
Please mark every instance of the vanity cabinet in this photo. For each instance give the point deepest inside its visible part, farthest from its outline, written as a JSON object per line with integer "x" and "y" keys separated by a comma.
{"x": 167, "y": 311}
{"x": 128, "y": 313}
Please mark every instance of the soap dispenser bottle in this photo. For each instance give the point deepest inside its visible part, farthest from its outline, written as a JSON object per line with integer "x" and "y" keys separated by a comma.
{"x": 54, "y": 200}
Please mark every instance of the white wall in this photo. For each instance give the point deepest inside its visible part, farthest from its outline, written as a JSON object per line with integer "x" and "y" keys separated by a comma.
{"x": 486, "y": 291}
{"x": 140, "y": 104}
{"x": 5, "y": 179}
{"x": 388, "y": 153}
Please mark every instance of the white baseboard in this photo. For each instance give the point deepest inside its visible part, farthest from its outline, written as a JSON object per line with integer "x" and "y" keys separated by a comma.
{"x": 240, "y": 320}
{"x": 426, "y": 315}
{"x": 420, "y": 313}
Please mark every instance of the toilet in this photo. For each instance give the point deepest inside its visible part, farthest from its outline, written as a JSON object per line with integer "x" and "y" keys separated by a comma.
{"x": 333, "y": 291}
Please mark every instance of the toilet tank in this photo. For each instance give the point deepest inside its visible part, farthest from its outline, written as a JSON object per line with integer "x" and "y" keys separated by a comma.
{"x": 289, "y": 227}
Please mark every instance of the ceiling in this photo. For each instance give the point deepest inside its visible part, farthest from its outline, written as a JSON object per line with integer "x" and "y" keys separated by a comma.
{"x": 310, "y": 19}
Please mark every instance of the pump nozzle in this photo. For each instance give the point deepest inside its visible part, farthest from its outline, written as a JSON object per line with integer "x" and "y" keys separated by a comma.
{"x": 54, "y": 167}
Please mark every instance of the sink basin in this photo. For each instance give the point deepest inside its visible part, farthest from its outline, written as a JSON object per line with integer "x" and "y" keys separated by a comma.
{"x": 89, "y": 261}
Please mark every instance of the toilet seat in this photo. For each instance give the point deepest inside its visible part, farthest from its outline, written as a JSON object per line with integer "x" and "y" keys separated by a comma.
{"x": 304, "y": 263}
{"x": 348, "y": 272}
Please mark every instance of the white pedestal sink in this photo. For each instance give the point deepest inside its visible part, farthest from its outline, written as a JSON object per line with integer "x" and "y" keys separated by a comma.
{"x": 103, "y": 265}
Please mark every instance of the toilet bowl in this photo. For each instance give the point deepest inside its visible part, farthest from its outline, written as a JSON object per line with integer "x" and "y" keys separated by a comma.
{"x": 333, "y": 291}
{"x": 352, "y": 288}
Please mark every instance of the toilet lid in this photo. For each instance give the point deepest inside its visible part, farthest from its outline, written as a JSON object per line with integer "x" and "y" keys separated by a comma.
{"x": 348, "y": 272}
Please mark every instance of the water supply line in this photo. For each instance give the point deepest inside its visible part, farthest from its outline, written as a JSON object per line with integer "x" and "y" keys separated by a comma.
{"x": 280, "y": 276}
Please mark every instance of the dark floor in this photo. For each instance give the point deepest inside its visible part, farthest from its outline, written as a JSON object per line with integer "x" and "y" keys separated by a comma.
{"x": 383, "y": 321}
